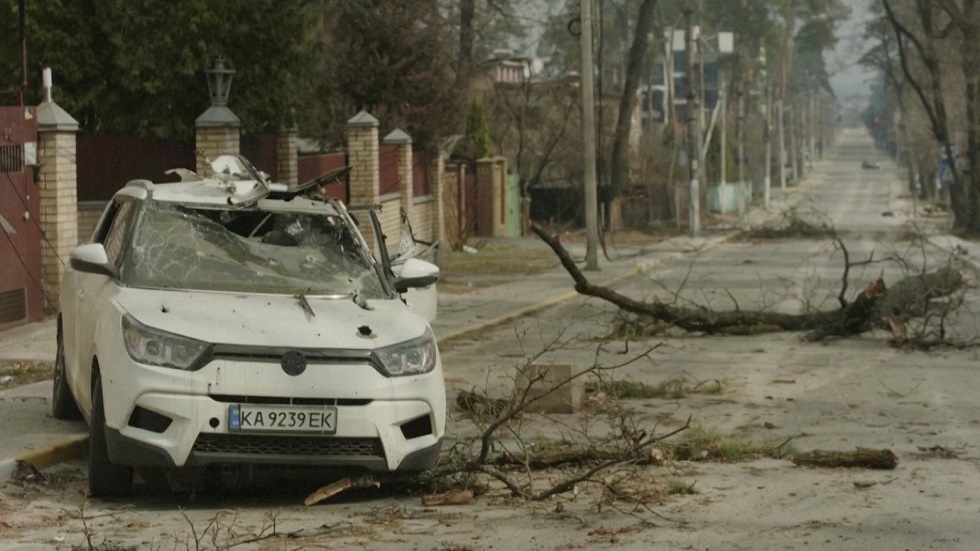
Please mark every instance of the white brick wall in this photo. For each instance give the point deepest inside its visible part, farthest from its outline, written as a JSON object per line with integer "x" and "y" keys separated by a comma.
{"x": 59, "y": 212}
{"x": 213, "y": 141}
{"x": 89, "y": 213}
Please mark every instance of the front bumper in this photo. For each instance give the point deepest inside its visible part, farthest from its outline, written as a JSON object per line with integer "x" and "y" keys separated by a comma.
{"x": 131, "y": 451}
{"x": 383, "y": 424}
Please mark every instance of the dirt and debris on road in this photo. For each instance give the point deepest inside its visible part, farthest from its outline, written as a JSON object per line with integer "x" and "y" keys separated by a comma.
{"x": 21, "y": 373}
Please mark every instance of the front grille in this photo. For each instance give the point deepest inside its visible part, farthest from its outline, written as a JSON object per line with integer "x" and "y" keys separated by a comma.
{"x": 254, "y": 444}
{"x": 277, "y": 401}
{"x": 315, "y": 356}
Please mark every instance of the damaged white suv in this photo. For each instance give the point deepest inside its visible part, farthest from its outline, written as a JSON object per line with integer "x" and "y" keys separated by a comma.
{"x": 237, "y": 321}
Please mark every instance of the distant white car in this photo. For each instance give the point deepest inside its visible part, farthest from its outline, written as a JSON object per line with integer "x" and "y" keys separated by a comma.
{"x": 234, "y": 321}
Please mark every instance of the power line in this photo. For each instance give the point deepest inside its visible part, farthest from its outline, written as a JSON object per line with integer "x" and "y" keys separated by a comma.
{"x": 40, "y": 230}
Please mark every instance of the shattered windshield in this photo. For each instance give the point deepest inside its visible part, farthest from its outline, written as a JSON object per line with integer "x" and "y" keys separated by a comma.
{"x": 252, "y": 251}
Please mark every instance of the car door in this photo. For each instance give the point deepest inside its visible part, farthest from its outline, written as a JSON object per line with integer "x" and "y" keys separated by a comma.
{"x": 68, "y": 301}
{"x": 90, "y": 294}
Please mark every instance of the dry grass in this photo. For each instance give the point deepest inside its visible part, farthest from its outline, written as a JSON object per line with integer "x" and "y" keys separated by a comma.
{"x": 23, "y": 373}
{"x": 708, "y": 444}
{"x": 492, "y": 264}
{"x": 680, "y": 487}
{"x": 654, "y": 233}
{"x": 790, "y": 228}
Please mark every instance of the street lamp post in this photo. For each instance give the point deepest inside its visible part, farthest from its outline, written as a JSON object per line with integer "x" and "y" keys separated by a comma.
{"x": 588, "y": 141}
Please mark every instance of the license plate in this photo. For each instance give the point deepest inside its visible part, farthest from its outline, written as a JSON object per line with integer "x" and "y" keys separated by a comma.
{"x": 246, "y": 417}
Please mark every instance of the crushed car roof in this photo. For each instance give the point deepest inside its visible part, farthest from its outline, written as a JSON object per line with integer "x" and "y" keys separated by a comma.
{"x": 235, "y": 183}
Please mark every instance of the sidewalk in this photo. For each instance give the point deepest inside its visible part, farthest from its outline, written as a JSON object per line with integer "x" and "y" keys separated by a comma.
{"x": 462, "y": 314}
{"x": 29, "y": 433}
{"x": 933, "y": 224}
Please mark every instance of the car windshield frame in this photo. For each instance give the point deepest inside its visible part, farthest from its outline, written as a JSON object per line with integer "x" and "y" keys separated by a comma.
{"x": 299, "y": 250}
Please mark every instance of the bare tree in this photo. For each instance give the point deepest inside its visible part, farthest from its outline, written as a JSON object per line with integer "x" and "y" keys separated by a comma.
{"x": 926, "y": 33}
{"x": 627, "y": 102}
{"x": 532, "y": 122}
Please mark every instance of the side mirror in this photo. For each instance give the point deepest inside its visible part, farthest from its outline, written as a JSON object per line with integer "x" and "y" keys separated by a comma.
{"x": 416, "y": 280}
{"x": 414, "y": 274}
{"x": 91, "y": 258}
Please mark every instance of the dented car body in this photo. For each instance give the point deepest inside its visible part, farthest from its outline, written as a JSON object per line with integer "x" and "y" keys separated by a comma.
{"x": 233, "y": 321}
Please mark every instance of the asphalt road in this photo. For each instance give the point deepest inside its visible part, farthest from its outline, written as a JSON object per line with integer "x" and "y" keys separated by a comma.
{"x": 836, "y": 395}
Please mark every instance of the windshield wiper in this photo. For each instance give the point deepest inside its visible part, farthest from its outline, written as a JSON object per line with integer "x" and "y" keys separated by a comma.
{"x": 305, "y": 305}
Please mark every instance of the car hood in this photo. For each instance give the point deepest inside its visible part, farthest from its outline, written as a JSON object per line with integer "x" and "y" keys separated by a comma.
{"x": 272, "y": 320}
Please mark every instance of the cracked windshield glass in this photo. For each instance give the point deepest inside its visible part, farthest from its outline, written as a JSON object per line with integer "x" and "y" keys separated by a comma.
{"x": 248, "y": 251}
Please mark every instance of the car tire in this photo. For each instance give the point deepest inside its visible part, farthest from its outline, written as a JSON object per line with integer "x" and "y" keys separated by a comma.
{"x": 155, "y": 480}
{"x": 63, "y": 405}
{"x": 105, "y": 479}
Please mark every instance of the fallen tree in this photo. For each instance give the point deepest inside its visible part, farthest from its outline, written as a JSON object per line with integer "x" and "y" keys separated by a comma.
{"x": 872, "y": 305}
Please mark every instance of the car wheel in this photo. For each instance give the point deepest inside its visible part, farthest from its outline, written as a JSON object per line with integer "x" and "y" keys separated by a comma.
{"x": 105, "y": 479}
{"x": 63, "y": 405}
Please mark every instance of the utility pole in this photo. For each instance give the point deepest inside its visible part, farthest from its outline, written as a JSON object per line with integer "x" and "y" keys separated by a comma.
{"x": 813, "y": 129}
{"x": 693, "y": 123}
{"x": 740, "y": 133}
{"x": 723, "y": 114}
{"x": 21, "y": 22}
{"x": 793, "y": 144}
{"x": 782, "y": 145}
{"x": 767, "y": 132}
{"x": 588, "y": 141}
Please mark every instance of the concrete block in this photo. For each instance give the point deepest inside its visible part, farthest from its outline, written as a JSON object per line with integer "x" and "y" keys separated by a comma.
{"x": 547, "y": 393}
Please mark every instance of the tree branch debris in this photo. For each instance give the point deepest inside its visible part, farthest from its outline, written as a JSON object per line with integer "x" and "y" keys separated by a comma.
{"x": 853, "y": 318}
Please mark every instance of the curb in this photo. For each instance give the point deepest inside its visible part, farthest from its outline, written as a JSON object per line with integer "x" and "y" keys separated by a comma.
{"x": 529, "y": 309}
{"x": 73, "y": 447}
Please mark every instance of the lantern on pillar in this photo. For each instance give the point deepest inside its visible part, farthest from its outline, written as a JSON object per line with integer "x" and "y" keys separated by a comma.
{"x": 219, "y": 82}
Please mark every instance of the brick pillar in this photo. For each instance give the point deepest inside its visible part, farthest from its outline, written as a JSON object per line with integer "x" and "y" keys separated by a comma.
{"x": 217, "y": 131}
{"x": 58, "y": 184}
{"x": 362, "y": 149}
{"x": 437, "y": 187}
{"x": 405, "y": 172}
{"x": 365, "y": 177}
{"x": 288, "y": 162}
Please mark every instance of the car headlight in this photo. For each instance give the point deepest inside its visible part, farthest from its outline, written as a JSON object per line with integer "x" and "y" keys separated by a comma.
{"x": 413, "y": 357}
{"x": 155, "y": 347}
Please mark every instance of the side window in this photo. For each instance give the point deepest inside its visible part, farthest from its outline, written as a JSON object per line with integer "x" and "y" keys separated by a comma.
{"x": 105, "y": 222}
{"x": 116, "y": 234}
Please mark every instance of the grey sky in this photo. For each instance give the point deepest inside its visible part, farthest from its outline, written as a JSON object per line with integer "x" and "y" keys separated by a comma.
{"x": 849, "y": 79}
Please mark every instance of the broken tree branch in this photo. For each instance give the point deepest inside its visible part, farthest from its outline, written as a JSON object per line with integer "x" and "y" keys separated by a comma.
{"x": 852, "y": 318}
